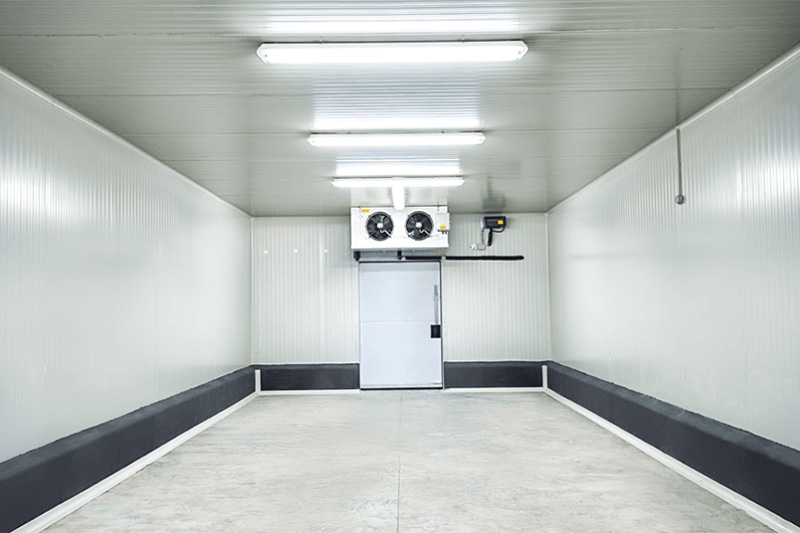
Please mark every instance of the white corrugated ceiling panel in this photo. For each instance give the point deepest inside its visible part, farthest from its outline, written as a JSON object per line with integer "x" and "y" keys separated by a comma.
{"x": 182, "y": 80}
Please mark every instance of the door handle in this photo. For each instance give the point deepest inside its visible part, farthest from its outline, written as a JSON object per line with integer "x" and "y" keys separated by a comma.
{"x": 436, "y": 327}
{"x": 435, "y": 304}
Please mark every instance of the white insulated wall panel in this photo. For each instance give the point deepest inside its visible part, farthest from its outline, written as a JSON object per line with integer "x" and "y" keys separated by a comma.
{"x": 611, "y": 278}
{"x": 497, "y": 310}
{"x": 305, "y": 304}
{"x": 697, "y": 304}
{"x": 121, "y": 283}
{"x": 305, "y": 287}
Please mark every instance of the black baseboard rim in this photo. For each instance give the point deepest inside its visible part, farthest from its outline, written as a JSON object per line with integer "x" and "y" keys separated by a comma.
{"x": 492, "y": 374}
{"x": 309, "y": 377}
{"x": 41, "y": 479}
{"x": 763, "y": 471}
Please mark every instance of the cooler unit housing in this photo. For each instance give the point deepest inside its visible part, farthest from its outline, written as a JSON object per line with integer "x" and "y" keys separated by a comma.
{"x": 385, "y": 228}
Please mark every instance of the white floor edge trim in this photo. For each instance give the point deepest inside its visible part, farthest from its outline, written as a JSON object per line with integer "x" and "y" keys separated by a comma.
{"x": 492, "y": 389}
{"x": 58, "y": 512}
{"x": 308, "y": 392}
{"x": 765, "y": 516}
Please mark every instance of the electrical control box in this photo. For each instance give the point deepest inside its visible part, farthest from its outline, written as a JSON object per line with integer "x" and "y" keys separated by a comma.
{"x": 494, "y": 222}
{"x": 442, "y": 221}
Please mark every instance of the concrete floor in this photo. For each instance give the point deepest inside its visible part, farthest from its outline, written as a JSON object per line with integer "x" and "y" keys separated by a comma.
{"x": 407, "y": 461}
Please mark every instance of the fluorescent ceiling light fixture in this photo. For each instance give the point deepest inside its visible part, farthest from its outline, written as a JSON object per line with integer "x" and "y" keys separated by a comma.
{"x": 389, "y": 52}
{"x": 396, "y": 139}
{"x": 376, "y": 124}
{"x": 398, "y": 168}
{"x": 378, "y": 183}
{"x": 373, "y": 25}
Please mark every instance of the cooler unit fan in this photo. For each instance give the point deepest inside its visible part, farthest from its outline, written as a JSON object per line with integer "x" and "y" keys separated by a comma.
{"x": 379, "y": 226}
{"x": 419, "y": 225}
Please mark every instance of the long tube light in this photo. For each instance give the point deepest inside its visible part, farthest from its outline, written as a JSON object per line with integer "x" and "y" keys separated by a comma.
{"x": 392, "y": 52}
{"x": 462, "y": 138}
{"x": 377, "y": 183}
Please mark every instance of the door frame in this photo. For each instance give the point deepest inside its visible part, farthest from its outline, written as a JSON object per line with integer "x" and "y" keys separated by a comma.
{"x": 436, "y": 260}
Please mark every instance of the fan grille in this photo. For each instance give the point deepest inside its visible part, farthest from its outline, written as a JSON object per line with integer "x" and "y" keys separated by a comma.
{"x": 379, "y": 226}
{"x": 419, "y": 225}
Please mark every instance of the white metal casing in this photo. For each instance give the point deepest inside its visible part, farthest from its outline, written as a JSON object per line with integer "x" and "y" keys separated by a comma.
{"x": 399, "y": 240}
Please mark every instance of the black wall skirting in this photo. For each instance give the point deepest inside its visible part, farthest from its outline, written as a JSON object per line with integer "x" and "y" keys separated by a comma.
{"x": 346, "y": 376}
{"x": 463, "y": 375}
{"x": 761, "y": 470}
{"x": 37, "y": 481}
{"x": 309, "y": 377}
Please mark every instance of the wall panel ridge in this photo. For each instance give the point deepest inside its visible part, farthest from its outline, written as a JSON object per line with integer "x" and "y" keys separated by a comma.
{"x": 305, "y": 291}
{"x": 694, "y": 304}
{"x": 120, "y": 283}
{"x": 496, "y": 311}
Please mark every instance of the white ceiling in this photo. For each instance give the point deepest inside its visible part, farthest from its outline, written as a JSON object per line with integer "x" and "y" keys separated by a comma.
{"x": 181, "y": 80}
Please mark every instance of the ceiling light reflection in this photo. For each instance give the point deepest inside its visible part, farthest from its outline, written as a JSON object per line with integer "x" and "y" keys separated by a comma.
{"x": 396, "y": 124}
{"x": 372, "y": 25}
{"x": 397, "y": 168}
